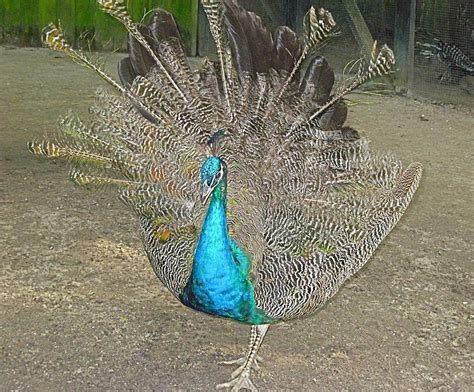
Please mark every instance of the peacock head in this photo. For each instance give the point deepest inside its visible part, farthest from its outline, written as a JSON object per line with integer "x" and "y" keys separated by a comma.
{"x": 213, "y": 175}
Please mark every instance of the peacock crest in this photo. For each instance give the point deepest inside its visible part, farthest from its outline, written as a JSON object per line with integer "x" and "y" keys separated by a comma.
{"x": 256, "y": 202}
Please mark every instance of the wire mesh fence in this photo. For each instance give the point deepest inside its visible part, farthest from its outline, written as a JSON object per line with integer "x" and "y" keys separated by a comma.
{"x": 444, "y": 44}
{"x": 444, "y": 50}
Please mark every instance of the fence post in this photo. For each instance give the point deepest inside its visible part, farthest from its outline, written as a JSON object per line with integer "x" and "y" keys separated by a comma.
{"x": 29, "y": 22}
{"x": 48, "y": 12}
{"x": 404, "y": 44}
{"x": 12, "y": 20}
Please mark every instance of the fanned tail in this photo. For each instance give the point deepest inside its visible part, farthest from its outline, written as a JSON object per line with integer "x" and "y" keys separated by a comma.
{"x": 215, "y": 16}
{"x": 118, "y": 10}
{"x": 302, "y": 186}
{"x": 380, "y": 63}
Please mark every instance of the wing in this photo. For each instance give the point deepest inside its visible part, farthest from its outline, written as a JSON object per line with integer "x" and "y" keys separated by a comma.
{"x": 304, "y": 267}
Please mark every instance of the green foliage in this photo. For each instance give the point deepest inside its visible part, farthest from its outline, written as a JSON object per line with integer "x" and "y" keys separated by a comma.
{"x": 84, "y": 24}
{"x": 433, "y": 13}
{"x": 11, "y": 18}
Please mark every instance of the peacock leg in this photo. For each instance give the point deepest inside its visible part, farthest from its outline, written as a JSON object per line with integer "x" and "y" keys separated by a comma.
{"x": 241, "y": 361}
{"x": 241, "y": 377}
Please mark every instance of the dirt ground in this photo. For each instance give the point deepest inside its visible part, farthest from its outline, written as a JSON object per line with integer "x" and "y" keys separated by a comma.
{"x": 82, "y": 311}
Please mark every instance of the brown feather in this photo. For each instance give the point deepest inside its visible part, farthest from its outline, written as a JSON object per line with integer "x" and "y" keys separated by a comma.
{"x": 318, "y": 81}
{"x": 126, "y": 72}
{"x": 287, "y": 49}
{"x": 163, "y": 27}
{"x": 250, "y": 40}
{"x": 334, "y": 117}
{"x": 141, "y": 60}
{"x": 349, "y": 133}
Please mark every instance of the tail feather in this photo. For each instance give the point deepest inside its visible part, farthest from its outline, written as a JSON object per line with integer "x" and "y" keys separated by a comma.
{"x": 318, "y": 81}
{"x": 142, "y": 61}
{"x": 126, "y": 72}
{"x": 250, "y": 40}
{"x": 287, "y": 49}
{"x": 299, "y": 180}
{"x": 53, "y": 38}
{"x": 163, "y": 27}
{"x": 380, "y": 64}
{"x": 52, "y": 150}
{"x": 214, "y": 13}
{"x": 408, "y": 182}
{"x": 117, "y": 9}
{"x": 318, "y": 26}
{"x": 334, "y": 117}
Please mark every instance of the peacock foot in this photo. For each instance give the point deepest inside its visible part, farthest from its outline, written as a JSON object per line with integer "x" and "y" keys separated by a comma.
{"x": 241, "y": 381}
{"x": 241, "y": 363}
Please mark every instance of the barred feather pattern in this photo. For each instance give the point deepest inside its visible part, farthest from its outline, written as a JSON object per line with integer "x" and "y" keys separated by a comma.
{"x": 308, "y": 204}
{"x": 215, "y": 16}
{"x": 451, "y": 54}
{"x": 318, "y": 25}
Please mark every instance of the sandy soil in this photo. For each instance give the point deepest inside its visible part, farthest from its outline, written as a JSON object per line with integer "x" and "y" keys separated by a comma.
{"x": 81, "y": 309}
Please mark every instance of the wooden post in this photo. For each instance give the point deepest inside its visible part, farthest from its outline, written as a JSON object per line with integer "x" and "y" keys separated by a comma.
{"x": 85, "y": 33}
{"x": 48, "y": 12}
{"x": 29, "y": 23}
{"x": 102, "y": 37}
{"x": 404, "y": 44}
{"x": 3, "y": 15}
{"x": 359, "y": 27}
{"x": 12, "y": 20}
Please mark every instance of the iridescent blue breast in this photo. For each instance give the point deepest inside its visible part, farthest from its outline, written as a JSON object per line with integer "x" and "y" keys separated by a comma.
{"x": 219, "y": 282}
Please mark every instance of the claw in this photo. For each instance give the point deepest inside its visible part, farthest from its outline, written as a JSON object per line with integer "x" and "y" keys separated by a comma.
{"x": 241, "y": 382}
{"x": 240, "y": 378}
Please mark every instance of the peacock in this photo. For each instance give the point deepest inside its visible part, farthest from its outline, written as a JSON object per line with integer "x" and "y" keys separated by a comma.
{"x": 255, "y": 201}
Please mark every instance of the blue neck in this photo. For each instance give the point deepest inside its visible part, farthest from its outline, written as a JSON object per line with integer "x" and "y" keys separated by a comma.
{"x": 219, "y": 282}
{"x": 213, "y": 256}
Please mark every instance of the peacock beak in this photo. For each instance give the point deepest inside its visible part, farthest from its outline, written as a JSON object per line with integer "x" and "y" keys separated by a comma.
{"x": 206, "y": 192}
